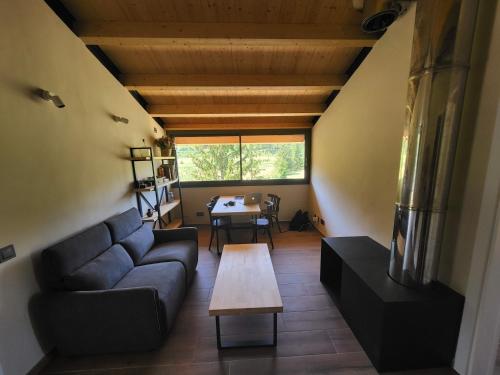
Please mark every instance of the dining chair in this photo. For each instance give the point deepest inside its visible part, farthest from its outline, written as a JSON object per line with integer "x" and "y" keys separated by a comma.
{"x": 264, "y": 223}
{"x": 216, "y": 224}
{"x": 273, "y": 213}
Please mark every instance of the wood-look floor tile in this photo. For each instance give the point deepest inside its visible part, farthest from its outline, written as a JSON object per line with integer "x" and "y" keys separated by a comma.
{"x": 316, "y": 288}
{"x": 437, "y": 371}
{"x": 269, "y": 366}
{"x": 308, "y": 303}
{"x": 197, "y": 295}
{"x": 294, "y": 278}
{"x": 344, "y": 340}
{"x": 218, "y": 368}
{"x": 292, "y": 290}
{"x": 340, "y": 363}
{"x": 289, "y": 344}
{"x": 313, "y": 320}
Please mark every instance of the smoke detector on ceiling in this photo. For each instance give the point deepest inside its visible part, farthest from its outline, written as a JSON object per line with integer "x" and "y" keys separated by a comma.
{"x": 378, "y": 15}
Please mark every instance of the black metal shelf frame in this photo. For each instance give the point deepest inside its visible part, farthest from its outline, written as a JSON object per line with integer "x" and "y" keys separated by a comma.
{"x": 159, "y": 192}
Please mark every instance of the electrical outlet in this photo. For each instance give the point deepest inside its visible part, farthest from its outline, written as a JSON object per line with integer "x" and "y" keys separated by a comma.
{"x": 200, "y": 213}
{"x": 322, "y": 221}
{"x": 6, "y": 253}
{"x": 315, "y": 219}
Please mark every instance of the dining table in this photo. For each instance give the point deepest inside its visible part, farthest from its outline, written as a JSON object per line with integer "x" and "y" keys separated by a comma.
{"x": 222, "y": 208}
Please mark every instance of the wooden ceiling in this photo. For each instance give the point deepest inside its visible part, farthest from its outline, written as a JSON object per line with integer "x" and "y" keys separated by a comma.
{"x": 210, "y": 64}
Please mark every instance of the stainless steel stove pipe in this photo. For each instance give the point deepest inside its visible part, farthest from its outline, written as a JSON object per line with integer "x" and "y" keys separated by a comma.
{"x": 442, "y": 43}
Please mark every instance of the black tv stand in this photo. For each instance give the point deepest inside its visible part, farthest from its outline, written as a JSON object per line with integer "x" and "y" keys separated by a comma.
{"x": 399, "y": 328}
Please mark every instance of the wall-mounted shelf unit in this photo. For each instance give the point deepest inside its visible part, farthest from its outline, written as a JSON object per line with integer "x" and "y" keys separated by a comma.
{"x": 166, "y": 214}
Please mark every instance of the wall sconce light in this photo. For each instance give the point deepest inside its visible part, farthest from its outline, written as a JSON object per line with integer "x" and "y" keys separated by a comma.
{"x": 120, "y": 119}
{"x": 47, "y": 95}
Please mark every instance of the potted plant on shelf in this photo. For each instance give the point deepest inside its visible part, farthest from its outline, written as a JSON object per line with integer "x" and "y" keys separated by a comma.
{"x": 167, "y": 145}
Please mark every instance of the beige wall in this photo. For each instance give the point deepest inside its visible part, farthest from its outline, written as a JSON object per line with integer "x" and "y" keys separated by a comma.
{"x": 293, "y": 198}
{"x": 61, "y": 169}
{"x": 481, "y": 106}
{"x": 356, "y": 143}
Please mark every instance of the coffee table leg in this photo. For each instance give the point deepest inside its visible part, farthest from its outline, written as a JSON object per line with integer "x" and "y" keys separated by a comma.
{"x": 217, "y": 328}
{"x": 252, "y": 344}
{"x": 275, "y": 329}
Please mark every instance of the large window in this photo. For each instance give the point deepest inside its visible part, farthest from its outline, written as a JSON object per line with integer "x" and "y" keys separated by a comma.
{"x": 242, "y": 159}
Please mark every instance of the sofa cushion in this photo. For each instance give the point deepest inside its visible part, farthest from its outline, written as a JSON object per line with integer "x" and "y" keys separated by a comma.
{"x": 185, "y": 252}
{"x": 124, "y": 224}
{"x": 167, "y": 278}
{"x": 67, "y": 256}
{"x": 102, "y": 272}
{"x": 138, "y": 243}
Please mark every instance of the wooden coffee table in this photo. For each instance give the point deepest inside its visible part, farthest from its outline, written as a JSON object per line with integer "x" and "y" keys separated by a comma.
{"x": 245, "y": 284}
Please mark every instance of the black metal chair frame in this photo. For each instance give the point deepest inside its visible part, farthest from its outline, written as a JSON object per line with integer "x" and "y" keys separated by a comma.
{"x": 266, "y": 227}
{"x": 273, "y": 214}
{"x": 214, "y": 229}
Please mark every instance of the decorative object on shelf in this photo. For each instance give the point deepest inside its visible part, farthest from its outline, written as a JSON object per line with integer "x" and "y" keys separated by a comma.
{"x": 169, "y": 169}
{"x": 149, "y": 213}
{"x": 156, "y": 150}
{"x": 167, "y": 145}
{"x": 170, "y": 196}
{"x": 48, "y": 96}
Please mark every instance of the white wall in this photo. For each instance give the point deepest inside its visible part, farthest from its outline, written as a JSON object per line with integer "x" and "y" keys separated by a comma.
{"x": 61, "y": 169}
{"x": 356, "y": 143}
{"x": 293, "y": 198}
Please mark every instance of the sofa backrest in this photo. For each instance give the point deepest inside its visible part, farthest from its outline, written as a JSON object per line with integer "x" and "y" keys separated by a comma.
{"x": 102, "y": 272}
{"x": 124, "y": 224}
{"x": 127, "y": 230}
{"x": 64, "y": 258}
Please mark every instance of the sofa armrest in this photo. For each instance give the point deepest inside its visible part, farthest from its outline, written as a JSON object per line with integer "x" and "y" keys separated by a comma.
{"x": 105, "y": 321}
{"x": 179, "y": 234}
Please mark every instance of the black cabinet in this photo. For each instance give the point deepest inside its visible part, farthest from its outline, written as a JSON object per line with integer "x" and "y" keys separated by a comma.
{"x": 398, "y": 327}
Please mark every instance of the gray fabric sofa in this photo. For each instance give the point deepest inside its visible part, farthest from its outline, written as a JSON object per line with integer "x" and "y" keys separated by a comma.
{"x": 117, "y": 286}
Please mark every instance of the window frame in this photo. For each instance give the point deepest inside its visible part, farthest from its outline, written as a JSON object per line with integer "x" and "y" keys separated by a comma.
{"x": 240, "y": 133}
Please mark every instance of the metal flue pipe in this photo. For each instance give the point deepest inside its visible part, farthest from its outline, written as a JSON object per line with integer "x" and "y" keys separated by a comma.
{"x": 440, "y": 58}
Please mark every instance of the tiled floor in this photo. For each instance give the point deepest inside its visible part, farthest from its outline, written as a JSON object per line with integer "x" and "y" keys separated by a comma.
{"x": 497, "y": 363}
{"x": 313, "y": 338}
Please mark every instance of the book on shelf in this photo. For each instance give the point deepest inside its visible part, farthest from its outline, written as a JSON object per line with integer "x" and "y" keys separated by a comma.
{"x": 170, "y": 170}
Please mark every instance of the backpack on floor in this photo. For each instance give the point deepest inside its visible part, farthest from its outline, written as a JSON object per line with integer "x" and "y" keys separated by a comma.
{"x": 300, "y": 221}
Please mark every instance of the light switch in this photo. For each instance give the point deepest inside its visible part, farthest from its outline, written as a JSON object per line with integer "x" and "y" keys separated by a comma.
{"x": 6, "y": 253}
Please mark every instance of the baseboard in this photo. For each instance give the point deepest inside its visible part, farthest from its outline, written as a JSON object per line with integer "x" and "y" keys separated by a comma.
{"x": 44, "y": 361}
{"x": 319, "y": 230}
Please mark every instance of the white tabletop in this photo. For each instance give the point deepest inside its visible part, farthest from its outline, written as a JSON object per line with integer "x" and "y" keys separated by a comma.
{"x": 238, "y": 209}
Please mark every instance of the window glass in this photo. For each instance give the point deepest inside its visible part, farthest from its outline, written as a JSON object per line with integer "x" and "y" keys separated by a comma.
{"x": 271, "y": 157}
{"x": 241, "y": 158}
{"x": 208, "y": 158}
